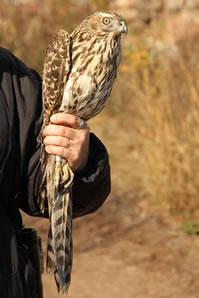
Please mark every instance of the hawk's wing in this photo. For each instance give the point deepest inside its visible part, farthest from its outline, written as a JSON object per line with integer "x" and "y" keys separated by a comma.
{"x": 57, "y": 66}
{"x": 56, "y": 69}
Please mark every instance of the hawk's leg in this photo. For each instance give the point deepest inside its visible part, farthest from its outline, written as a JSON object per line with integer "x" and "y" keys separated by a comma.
{"x": 68, "y": 175}
{"x": 58, "y": 171}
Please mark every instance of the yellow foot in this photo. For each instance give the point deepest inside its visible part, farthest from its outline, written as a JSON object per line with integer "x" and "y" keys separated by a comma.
{"x": 68, "y": 175}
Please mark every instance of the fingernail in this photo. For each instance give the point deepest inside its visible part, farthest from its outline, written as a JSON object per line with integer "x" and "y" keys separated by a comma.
{"x": 78, "y": 120}
{"x": 53, "y": 118}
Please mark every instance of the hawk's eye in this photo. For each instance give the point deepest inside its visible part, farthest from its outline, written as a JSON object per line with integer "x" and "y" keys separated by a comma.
{"x": 106, "y": 21}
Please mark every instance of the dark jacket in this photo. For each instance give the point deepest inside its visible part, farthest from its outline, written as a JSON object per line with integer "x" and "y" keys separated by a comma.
{"x": 20, "y": 171}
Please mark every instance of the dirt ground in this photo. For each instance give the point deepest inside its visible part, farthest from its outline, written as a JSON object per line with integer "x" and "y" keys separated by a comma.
{"x": 127, "y": 255}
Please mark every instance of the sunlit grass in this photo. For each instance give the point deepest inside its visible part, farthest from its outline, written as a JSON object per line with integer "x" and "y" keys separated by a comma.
{"x": 154, "y": 141}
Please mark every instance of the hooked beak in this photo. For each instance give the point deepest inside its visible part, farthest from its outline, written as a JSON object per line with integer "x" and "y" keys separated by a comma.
{"x": 123, "y": 27}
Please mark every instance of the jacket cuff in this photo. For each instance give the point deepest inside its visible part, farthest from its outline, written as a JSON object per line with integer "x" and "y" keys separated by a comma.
{"x": 92, "y": 184}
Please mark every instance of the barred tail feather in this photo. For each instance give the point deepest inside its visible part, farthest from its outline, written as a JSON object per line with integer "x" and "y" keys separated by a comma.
{"x": 50, "y": 261}
{"x": 63, "y": 251}
{"x": 59, "y": 250}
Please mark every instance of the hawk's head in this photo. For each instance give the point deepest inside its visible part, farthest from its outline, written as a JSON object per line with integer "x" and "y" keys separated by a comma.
{"x": 106, "y": 22}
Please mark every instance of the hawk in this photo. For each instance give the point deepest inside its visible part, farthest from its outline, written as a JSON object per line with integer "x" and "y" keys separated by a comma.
{"x": 78, "y": 74}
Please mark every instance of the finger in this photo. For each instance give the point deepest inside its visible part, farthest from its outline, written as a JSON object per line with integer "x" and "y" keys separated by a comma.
{"x": 60, "y": 151}
{"x": 59, "y": 130}
{"x": 57, "y": 141}
{"x": 66, "y": 119}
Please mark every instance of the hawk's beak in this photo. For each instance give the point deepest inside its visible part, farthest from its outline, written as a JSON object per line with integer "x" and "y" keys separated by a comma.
{"x": 123, "y": 27}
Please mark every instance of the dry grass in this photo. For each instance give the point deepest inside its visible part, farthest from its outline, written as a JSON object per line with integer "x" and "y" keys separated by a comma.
{"x": 154, "y": 139}
{"x": 27, "y": 29}
{"x": 151, "y": 124}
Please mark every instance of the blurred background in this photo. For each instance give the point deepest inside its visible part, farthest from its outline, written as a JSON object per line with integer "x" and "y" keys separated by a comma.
{"x": 143, "y": 242}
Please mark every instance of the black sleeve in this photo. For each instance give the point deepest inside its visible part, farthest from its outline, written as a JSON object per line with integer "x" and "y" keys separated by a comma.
{"x": 21, "y": 119}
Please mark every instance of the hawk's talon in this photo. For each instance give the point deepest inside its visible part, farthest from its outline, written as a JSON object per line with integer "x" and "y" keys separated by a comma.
{"x": 68, "y": 175}
{"x": 63, "y": 175}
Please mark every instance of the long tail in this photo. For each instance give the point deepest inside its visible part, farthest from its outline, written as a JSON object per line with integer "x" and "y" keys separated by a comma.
{"x": 59, "y": 249}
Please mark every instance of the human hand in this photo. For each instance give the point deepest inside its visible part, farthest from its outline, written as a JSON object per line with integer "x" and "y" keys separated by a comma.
{"x": 65, "y": 138}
